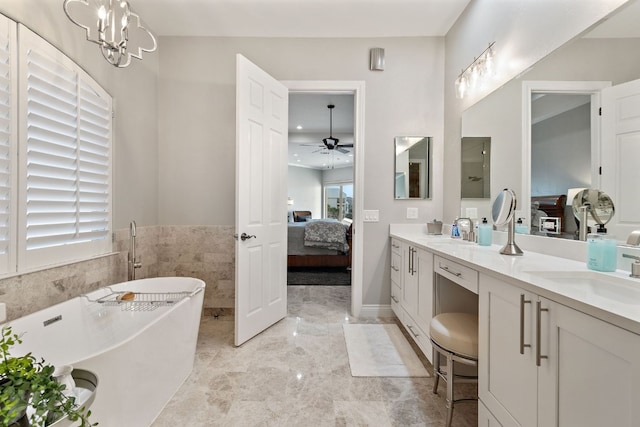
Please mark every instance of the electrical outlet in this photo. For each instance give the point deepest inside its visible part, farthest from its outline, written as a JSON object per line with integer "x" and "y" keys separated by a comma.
{"x": 550, "y": 225}
{"x": 371, "y": 215}
{"x": 412, "y": 213}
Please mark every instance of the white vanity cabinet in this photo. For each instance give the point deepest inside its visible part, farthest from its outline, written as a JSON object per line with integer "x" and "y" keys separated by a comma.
{"x": 414, "y": 305}
{"x": 396, "y": 277}
{"x": 544, "y": 364}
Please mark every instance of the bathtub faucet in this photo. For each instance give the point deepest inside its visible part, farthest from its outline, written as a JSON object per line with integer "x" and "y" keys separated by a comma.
{"x": 132, "y": 260}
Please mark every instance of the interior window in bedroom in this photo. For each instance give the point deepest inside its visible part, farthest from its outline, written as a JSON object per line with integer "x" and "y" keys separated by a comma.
{"x": 338, "y": 201}
{"x": 64, "y": 164}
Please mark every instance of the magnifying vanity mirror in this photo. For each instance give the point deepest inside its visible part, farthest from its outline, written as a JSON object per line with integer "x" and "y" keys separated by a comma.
{"x": 592, "y": 206}
{"x": 412, "y": 178}
{"x": 503, "y": 213}
{"x": 549, "y": 139}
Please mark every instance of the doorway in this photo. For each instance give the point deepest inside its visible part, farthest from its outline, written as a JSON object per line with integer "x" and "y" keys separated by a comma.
{"x": 356, "y": 90}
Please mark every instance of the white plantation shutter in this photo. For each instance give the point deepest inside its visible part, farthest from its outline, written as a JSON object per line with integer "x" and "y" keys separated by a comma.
{"x": 8, "y": 140}
{"x": 65, "y": 168}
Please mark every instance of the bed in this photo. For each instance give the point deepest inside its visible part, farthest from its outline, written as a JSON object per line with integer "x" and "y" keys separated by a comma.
{"x": 333, "y": 253}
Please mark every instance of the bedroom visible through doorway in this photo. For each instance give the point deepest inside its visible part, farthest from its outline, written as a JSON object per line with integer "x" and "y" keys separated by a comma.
{"x": 320, "y": 188}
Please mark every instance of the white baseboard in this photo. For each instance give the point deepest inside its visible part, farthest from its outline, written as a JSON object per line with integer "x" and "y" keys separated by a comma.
{"x": 376, "y": 310}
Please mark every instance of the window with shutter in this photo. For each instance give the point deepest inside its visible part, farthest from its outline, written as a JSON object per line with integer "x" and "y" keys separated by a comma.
{"x": 65, "y": 152}
{"x": 8, "y": 138}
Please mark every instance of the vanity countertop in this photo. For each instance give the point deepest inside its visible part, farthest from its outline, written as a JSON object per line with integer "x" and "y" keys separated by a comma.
{"x": 612, "y": 297}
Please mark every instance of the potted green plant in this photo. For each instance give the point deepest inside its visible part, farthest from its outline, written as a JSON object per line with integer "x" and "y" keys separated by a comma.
{"x": 28, "y": 383}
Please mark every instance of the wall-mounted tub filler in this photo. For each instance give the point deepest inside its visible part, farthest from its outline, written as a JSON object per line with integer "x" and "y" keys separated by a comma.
{"x": 133, "y": 261}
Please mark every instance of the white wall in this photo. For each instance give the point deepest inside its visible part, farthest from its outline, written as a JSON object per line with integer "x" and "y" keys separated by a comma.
{"x": 197, "y": 124}
{"x": 135, "y": 163}
{"x": 305, "y": 188}
{"x": 561, "y": 152}
{"x": 525, "y": 31}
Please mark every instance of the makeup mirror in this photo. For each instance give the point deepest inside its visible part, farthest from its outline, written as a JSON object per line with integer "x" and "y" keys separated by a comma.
{"x": 503, "y": 213}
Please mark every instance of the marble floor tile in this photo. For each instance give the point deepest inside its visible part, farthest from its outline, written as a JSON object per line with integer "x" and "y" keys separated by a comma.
{"x": 297, "y": 373}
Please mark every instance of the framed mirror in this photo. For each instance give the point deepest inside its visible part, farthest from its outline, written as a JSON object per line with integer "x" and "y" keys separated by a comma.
{"x": 475, "y": 182}
{"x": 412, "y": 179}
{"x": 518, "y": 166}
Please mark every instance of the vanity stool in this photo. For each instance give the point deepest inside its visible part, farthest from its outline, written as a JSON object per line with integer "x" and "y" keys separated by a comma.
{"x": 455, "y": 336}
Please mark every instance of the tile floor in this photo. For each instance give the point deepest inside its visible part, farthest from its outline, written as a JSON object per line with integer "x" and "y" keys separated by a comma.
{"x": 297, "y": 373}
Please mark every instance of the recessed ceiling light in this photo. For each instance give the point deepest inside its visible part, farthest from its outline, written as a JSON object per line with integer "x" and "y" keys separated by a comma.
{"x": 298, "y": 160}
{"x": 350, "y": 155}
{"x": 295, "y": 154}
{"x": 299, "y": 127}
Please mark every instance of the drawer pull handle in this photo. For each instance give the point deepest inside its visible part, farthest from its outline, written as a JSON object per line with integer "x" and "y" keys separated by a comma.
{"x": 522, "y": 303}
{"x": 394, "y": 299}
{"x": 539, "y": 311}
{"x": 455, "y": 273}
{"x": 411, "y": 330}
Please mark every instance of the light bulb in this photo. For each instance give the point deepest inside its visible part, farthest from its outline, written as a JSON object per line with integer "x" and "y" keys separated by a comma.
{"x": 488, "y": 62}
{"x": 102, "y": 12}
{"x": 475, "y": 74}
{"x": 461, "y": 86}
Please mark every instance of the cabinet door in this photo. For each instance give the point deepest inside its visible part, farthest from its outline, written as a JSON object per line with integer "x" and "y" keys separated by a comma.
{"x": 485, "y": 418}
{"x": 507, "y": 379}
{"x": 424, "y": 311}
{"x": 410, "y": 280}
{"x": 591, "y": 376}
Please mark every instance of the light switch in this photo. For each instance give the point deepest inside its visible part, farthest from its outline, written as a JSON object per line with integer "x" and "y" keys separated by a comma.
{"x": 3, "y": 312}
{"x": 412, "y": 213}
{"x": 371, "y": 215}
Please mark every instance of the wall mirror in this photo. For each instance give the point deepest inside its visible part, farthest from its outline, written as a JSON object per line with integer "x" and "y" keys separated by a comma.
{"x": 521, "y": 152}
{"x": 475, "y": 182}
{"x": 412, "y": 178}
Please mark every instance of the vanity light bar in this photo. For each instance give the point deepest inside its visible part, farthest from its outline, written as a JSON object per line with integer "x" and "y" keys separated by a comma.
{"x": 470, "y": 76}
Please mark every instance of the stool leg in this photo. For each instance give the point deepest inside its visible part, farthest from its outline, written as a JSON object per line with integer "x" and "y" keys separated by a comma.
{"x": 450, "y": 375}
{"x": 436, "y": 369}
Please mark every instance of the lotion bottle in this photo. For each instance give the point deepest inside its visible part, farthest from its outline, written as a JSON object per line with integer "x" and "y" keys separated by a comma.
{"x": 485, "y": 232}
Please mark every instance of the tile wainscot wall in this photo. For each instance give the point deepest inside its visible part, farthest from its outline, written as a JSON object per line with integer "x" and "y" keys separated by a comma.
{"x": 204, "y": 252}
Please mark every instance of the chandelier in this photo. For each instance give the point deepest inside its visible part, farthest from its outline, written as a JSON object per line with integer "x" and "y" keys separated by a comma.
{"x": 114, "y": 27}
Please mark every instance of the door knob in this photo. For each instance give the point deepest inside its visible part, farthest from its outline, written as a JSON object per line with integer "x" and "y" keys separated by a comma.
{"x": 244, "y": 236}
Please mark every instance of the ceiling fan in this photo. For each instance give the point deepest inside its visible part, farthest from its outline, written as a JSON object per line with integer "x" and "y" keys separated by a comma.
{"x": 332, "y": 143}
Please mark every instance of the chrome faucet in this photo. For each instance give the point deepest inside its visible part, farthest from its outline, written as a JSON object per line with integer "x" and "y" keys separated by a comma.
{"x": 465, "y": 225}
{"x": 132, "y": 261}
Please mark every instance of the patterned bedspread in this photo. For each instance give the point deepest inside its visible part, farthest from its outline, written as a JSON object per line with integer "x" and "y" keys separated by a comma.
{"x": 326, "y": 234}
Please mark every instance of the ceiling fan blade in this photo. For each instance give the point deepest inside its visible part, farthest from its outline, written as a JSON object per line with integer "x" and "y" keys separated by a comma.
{"x": 346, "y": 145}
{"x": 342, "y": 150}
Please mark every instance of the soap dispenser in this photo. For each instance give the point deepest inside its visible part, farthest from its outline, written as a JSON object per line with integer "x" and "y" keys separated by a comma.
{"x": 601, "y": 251}
{"x": 521, "y": 228}
{"x": 455, "y": 231}
{"x": 485, "y": 233}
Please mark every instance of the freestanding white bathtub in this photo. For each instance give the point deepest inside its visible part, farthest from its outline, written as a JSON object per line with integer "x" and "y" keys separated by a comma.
{"x": 141, "y": 351}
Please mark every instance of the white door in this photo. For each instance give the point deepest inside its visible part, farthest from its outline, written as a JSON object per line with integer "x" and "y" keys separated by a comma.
{"x": 620, "y": 154}
{"x": 261, "y": 200}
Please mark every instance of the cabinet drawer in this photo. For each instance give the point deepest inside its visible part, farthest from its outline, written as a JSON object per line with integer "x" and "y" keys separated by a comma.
{"x": 395, "y": 301}
{"x": 418, "y": 335}
{"x": 458, "y": 273}
{"x": 396, "y": 246}
{"x": 396, "y": 265}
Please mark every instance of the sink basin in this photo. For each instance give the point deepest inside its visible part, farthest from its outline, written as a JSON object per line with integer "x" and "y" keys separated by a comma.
{"x": 595, "y": 284}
